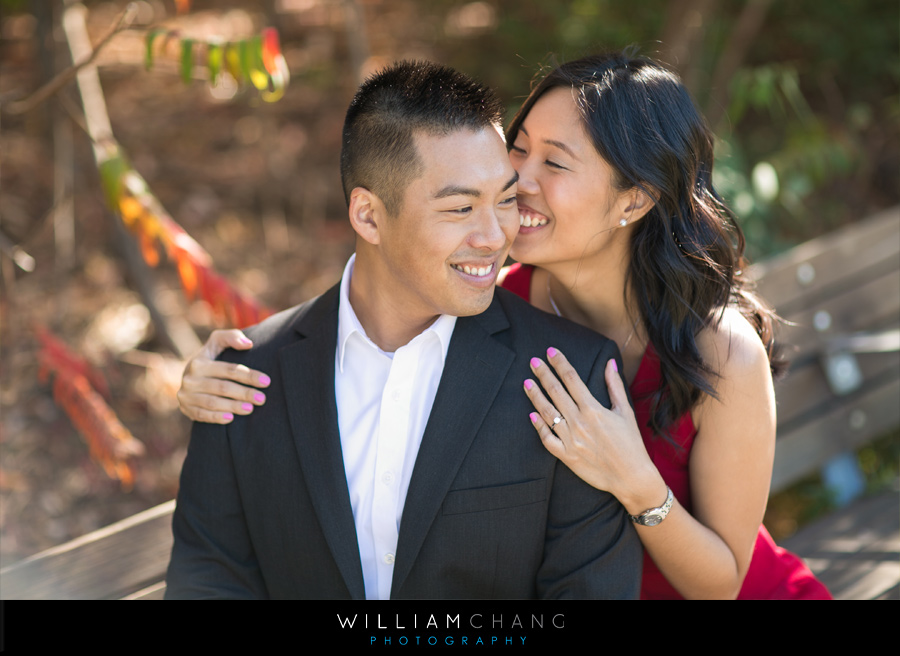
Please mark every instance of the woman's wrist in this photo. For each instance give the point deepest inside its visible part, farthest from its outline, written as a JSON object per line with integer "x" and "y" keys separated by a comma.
{"x": 650, "y": 492}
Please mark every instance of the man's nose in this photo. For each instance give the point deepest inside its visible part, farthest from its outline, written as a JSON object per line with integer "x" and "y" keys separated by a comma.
{"x": 495, "y": 229}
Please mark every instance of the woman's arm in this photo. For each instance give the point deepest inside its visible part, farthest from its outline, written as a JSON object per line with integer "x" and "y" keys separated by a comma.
{"x": 213, "y": 391}
{"x": 707, "y": 554}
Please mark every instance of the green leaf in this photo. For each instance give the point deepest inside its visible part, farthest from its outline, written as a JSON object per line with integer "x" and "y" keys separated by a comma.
{"x": 258, "y": 75}
{"x": 111, "y": 172}
{"x": 148, "y": 55}
{"x": 245, "y": 50}
{"x": 214, "y": 61}
{"x": 233, "y": 60}
{"x": 187, "y": 59}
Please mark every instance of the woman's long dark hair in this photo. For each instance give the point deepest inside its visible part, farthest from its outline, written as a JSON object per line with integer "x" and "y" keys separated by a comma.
{"x": 687, "y": 257}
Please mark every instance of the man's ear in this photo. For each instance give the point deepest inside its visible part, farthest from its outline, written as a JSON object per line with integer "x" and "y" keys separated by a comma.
{"x": 366, "y": 214}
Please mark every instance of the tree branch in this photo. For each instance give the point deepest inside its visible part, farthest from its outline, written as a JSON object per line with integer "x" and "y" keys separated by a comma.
{"x": 124, "y": 20}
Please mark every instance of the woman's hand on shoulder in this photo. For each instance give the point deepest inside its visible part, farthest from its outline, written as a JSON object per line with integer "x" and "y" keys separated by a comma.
{"x": 213, "y": 391}
{"x": 602, "y": 446}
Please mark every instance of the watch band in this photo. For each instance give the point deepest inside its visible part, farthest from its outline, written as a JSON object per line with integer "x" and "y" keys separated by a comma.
{"x": 654, "y": 516}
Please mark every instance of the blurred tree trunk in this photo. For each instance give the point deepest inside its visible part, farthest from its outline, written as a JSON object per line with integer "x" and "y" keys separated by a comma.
{"x": 682, "y": 36}
{"x": 745, "y": 31}
{"x": 174, "y": 330}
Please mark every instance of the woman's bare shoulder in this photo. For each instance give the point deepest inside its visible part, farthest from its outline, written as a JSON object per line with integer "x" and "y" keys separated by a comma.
{"x": 743, "y": 379}
{"x": 731, "y": 346}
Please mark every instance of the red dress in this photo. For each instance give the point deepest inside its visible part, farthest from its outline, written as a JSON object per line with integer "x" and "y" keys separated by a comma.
{"x": 774, "y": 573}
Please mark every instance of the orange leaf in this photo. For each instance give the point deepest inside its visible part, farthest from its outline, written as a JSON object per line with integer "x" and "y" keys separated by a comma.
{"x": 187, "y": 273}
{"x": 130, "y": 209}
{"x": 148, "y": 249}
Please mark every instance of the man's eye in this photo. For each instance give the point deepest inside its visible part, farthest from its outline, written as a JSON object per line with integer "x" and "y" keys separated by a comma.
{"x": 506, "y": 202}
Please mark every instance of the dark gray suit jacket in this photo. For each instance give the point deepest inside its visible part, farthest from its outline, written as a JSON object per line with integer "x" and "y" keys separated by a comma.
{"x": 263, "y": 510}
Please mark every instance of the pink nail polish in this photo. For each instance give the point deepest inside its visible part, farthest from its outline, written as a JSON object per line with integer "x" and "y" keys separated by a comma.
{"x": 227, "y": 416}
{"x": 247, "y": 406}
{"x": 259, "y": 398}
{"x": 551, "y": 352}
{"x": 528, "y": 384}
{"x": 534, "y": 417}
{"x": 244, "y": 340}
{"x": 264, "y": 380}
{"x": 535, "y": 363}
{"x": 615, "y": 366}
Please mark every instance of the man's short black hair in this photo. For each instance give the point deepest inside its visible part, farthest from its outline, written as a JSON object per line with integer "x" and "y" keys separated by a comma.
{"x": 378, "y": 150}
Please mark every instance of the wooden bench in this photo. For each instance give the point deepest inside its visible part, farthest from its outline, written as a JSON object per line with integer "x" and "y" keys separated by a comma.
{"x": 842, "y": 294}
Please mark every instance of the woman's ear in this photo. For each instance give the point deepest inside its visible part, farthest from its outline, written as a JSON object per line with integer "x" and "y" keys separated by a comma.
{"x": 366, "y": 211}
{"x": 634, "y": 204}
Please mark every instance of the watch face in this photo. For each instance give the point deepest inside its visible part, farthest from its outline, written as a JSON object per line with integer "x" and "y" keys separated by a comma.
{"x": 652, "y": 520}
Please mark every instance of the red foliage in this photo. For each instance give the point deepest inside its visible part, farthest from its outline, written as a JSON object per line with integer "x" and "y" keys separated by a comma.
{"x": 75, "y": 388}
{"x": 156, "y": 231}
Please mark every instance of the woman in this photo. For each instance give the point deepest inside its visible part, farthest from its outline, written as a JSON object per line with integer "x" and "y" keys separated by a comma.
{"x": 622, "y": 232}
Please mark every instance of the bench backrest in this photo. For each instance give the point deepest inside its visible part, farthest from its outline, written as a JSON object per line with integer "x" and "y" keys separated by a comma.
{"x": 841, "y": 295}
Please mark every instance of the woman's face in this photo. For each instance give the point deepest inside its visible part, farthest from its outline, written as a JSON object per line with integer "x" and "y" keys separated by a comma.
{"x": 568, "y": 207}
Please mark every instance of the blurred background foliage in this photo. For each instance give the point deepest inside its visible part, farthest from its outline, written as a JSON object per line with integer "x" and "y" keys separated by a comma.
{"x": 803, "y": 95}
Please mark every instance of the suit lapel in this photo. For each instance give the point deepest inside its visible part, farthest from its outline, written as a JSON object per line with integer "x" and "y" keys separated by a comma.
{"x": 474, "y": 371}
{"x": 307, "y": 367}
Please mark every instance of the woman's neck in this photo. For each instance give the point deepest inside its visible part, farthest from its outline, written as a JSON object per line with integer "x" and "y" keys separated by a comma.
{"x": 593, "y": 296}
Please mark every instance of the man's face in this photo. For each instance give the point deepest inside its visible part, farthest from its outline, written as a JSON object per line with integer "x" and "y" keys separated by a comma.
{"x": 444, "y": 248}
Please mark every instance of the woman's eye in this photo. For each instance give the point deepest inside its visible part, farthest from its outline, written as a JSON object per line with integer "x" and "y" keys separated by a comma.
{"x": 554, "y": 165}
{"x": 516, "y": 149}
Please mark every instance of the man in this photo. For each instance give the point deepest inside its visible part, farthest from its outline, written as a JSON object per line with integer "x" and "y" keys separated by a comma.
{"x": 394, "y": 457}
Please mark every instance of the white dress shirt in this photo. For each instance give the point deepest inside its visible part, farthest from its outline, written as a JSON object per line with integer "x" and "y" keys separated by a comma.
{"x": 383, "y": 403}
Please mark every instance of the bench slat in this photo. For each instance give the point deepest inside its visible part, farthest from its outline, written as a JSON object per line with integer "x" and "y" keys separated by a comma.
{"x": 110, "y": 563}
{"x": 836, "y": 257}
{"x": 846, "y": 427}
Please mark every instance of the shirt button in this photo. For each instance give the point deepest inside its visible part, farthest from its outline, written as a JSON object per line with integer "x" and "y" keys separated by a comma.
{"x": 387, "y": 478}
{"x": 389, "y": 559}
{"x": 395, "y": 395}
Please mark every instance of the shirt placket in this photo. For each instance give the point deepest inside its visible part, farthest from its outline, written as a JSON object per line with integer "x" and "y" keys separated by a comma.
{"x": 393, "y": 430}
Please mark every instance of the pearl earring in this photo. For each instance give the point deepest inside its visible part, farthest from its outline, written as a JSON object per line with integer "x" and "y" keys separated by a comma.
{"x": 623, "y": 222}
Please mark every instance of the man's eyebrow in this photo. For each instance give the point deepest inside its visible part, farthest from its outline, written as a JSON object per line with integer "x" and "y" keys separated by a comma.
{"x": 558, "y": 144}
{"x": 456, "y": 190}
{"x": 513, "y": 180}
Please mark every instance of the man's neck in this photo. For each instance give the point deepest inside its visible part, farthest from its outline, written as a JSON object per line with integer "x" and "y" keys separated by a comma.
{"x": 386, "y": 322}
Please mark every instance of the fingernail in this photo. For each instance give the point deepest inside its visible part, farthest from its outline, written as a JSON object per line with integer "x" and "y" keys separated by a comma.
{"x": 534, "y": 417}
{"x": 244, "y": 340}
{"x": 264, "y": 380}
{"x": 615, "y": 366}
{"x": 247, "y": 406}
{"x": 551, "y": 352}
{"x": 535, "y": 363}
{"x": 227, "y": 416}
{"x": 528, "y": 384}
{"x": 259, "y": 398}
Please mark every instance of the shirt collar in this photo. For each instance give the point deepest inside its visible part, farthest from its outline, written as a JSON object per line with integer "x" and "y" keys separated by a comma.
{"x": 348, "y": 323}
